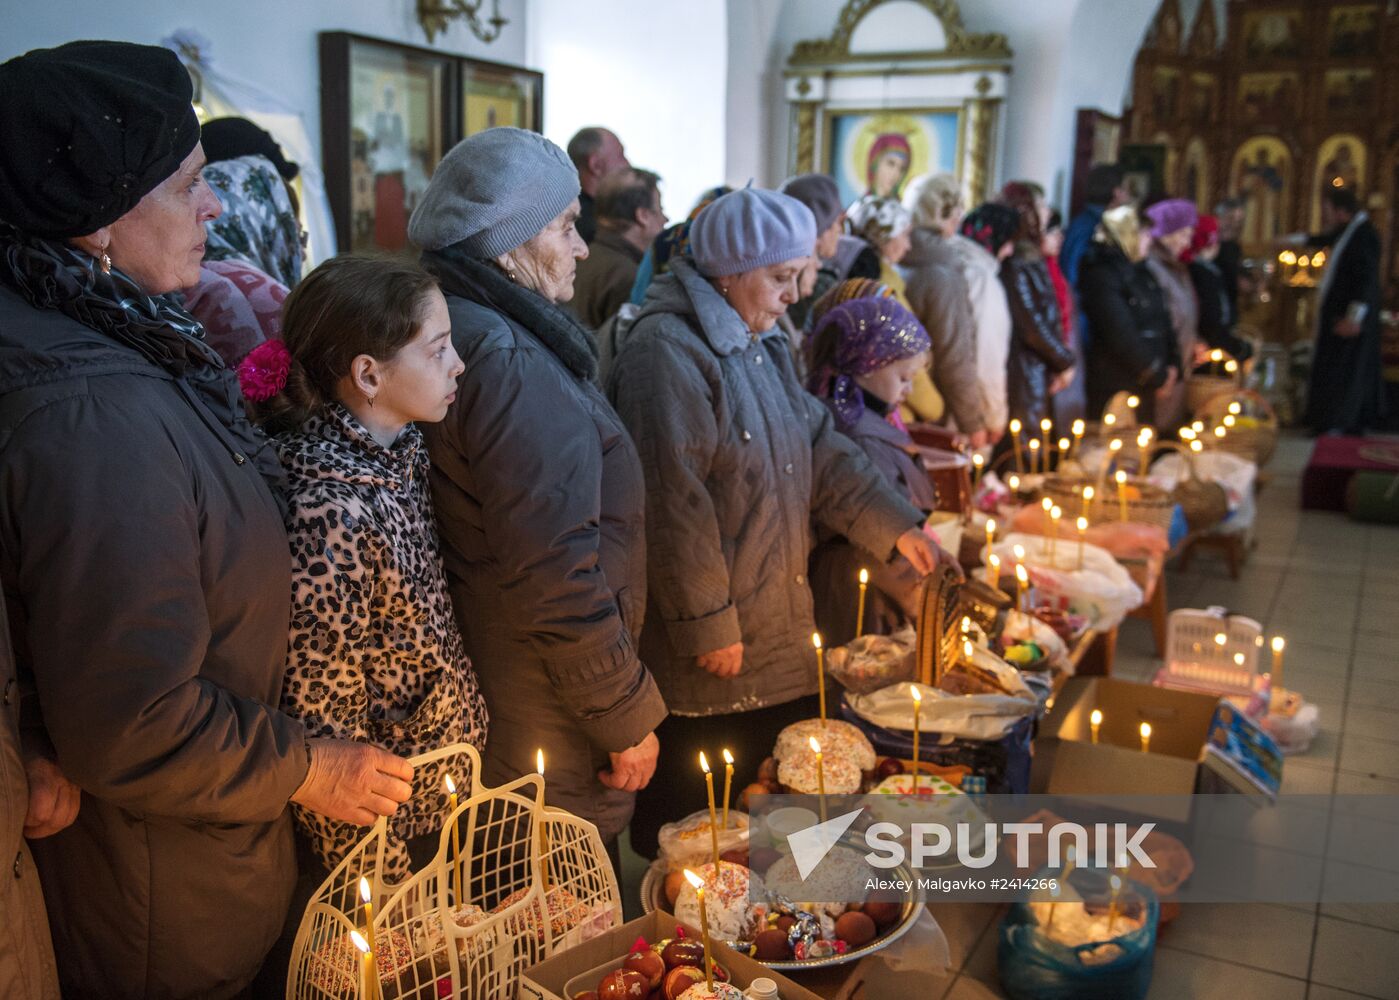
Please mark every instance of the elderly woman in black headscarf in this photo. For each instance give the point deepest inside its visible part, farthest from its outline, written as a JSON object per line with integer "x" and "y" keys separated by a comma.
{"x": 145, "y": 564}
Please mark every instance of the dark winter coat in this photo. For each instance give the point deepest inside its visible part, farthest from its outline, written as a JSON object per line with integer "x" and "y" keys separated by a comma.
{"x": 146, "y": 575}
{"x": 836, "y": 562}
{"x": 1037, "y": 348}
{"x": 739, "y": 461}
{"x": 604, "y": 279}
{"x": 1216, "y": 311}
{"x": 1346, "y": 390}
{"x": 1133, "y": 341}
{"x": 541, "y": 504}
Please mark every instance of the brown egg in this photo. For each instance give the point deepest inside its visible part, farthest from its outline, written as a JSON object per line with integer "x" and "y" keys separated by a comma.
{"x": 762, "y": 858}
{"x": 623, "y": 984}
{"x": 648, "y": 964}
{"x": 674, "y": 882}
{"x": 767, "y": 772}
{"x": 737, "y": 856}
{"x": 786, "y": 922}
{"x": 883, "y": 913}
{"x": 684, "y": 952}
{"x": 856, "y": 929}
{"x": 678, "y": 980}
{"x": 772, "y": 946}
{"x": 746, "y": 797}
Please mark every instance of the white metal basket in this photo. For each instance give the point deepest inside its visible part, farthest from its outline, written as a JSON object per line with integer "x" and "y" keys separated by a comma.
{"x": 434, "y": 939}
{"x": 1211, "y": 651}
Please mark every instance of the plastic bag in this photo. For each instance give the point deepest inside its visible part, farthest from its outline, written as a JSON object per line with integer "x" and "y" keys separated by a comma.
{"x": 1102, "y": 590}
{"x": 977, "y": 717}
{"x": 686, "y": 843}
{"x": 1027, "y": 628}
{"x": 872, "y": 662}
{"x": 1034, "y": 967}
{"x": 1235, "y": 474}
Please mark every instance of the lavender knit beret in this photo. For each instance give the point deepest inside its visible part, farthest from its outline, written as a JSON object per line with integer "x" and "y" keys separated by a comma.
{"x": 1172, "y": 215}
{"x": 748, "y": 229}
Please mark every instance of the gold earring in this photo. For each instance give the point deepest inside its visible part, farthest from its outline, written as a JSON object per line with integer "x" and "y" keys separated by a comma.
{"x": 106, "y": 263}
{"x": 370, "y": 400}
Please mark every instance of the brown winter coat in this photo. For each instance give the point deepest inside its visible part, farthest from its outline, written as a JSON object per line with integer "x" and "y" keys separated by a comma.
{"x": 604, "y": 280}
{"x": 937, "y": 293}
{"x": 146, "y": 576}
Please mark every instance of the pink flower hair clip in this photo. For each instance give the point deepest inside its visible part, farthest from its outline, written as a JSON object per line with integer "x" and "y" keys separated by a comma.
{"x": 263, "y": 373}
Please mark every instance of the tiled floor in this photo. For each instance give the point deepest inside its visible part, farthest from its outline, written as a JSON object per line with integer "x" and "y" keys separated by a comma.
{"x": 1332, "y": 587}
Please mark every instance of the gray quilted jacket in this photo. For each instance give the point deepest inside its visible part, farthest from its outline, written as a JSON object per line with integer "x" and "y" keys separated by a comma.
{"x": 739, "y": 461}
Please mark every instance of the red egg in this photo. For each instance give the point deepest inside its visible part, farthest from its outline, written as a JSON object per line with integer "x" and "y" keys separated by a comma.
{"x": 623, "y": 984}
{"x": 647, "y": 963}
{"x": 684, "y": 952}
{"x": 680, "y": 979}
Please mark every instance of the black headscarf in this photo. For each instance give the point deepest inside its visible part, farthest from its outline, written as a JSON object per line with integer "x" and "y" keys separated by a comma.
{"x": 230, "y": 138}
{"x": 90, "y": 128}
{"x": 991, "y": 226}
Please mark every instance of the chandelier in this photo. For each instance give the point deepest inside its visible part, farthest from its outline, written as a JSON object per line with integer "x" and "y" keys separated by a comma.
{"x": 437, "y": 15}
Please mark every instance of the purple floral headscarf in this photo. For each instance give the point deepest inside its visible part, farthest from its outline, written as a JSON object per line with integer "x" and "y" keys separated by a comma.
{"x": 870, "y": 334}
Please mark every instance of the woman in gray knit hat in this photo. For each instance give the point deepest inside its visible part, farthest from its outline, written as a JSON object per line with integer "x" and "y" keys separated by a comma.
{"x": 538, "y": 489}
{"x": 739, "y": 460}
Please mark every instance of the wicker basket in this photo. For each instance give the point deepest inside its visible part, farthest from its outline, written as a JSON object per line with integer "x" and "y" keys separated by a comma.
{"x": 1151, "y": 505}
{"x": 1256, "y": 443}
{"x": 1204, "y": 503}
{"x": 531, "y": 904}
{"x": 1200, "y": 388}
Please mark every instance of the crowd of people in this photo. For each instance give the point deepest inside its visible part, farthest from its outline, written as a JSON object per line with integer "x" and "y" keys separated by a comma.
{"x": 570, "y": 479}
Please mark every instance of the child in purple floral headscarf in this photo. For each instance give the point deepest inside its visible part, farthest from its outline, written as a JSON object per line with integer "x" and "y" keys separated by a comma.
{"x": 864, "y": 357}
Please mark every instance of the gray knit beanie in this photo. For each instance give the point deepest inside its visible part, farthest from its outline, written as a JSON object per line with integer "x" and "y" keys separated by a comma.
{"x": 492, "y": 192}
{"x": 748, "y": 229}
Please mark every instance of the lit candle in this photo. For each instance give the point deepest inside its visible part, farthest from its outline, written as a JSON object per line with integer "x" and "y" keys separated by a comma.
{"x": 1229, "y": 421}
{"x": 1109, "y": 419}
{"x": 820, "y": 775}
{"x": 1063, "y": 450}
{"x": 1085, "y": 509}
{"x": 1196, "y": 447}
{"x": 993, "y": 571}
{"x": 728, "y": 783}
{"x": 1144, "y": 449}
{"x": 1146, "y": 737}
{"x": 1220, "y": 431}
{"x": 1236, "y": 408}
{"x": 1114, "y": 446}
{"x": 1116, "y": 883}
{"x": 860, "y": 614}
{"x": 1198, "y": 426}
{"x": 1045, "y": 425}
{"x": 1279, "y": 644}
{"x": 1095, "y": 723}
{"x": 368, "y": 978}
{"x": 543, "y": 827}
{"x": 1078, "y": 428}
{"x": 1082, "y": 533}
{"x": 917, "y": 697}
{"x": 1053, "y": 906}
{"x": 1216, "y": 356}
{"x": 1013, "y": 482}
{"x": 977, "y": 462}
{"x": 713, "y": 814}
{"x": 698, "y": 883}
{"x": 990, "y": 538}
{"x": 820, "y": 674}
{"x": 1133, "y": 402}
{"x": 1015, "y": 442}
{"x": 1034, "y": 454}
{"x": 1121, "y": 478}
{"x": 1055, "y": 513}
{"x": 456, "y": 874}
{"x": 1022, "y": 584}
{"x": 367, "y": 898}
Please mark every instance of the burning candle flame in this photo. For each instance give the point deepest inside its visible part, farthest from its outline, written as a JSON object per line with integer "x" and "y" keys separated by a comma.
{"x": 1015, "y": 426}
{"x": 451, "y": 785}
{"x": 1096, "y": 718}
{"x": 1279, "y": 643}
{"x": 728, "y": 757}
{"x": 814, "y": 744}
{"x": 915, "y": 694}
{"x": 864, "y": 576}
{"x": 364, "y": 894}
{"x": 360, "y": 942}
{"x": 816, "y": 639}
{"x": 704, "y": 762}
{"x": 539, "y": 761}
{"x": 1146, "y": 730}
{"x": 694, "y": 879}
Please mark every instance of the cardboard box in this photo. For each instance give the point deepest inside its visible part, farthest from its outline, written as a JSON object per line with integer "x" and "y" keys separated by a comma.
{"x": 550, "y": 979}
{"x": 1067, "y": 762}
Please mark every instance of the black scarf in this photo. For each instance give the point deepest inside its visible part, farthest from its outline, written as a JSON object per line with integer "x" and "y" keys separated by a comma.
{"x": 49, "y": 274}
{"x": 483, "y": 283}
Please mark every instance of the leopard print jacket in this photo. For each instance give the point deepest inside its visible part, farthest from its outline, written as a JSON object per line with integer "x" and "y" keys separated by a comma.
{"x": 375, "y": 652}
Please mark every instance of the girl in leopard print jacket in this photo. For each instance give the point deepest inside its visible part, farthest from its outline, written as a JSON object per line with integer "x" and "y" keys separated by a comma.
{"x": 375, "y": 652}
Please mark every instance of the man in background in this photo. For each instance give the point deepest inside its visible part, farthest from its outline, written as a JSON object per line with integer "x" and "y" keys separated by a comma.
{"x": 629, "y": 218}
{"x": 596, "y": 153}
{"x": 1104, "y": 189}
{"x": 1230, "y": 212}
